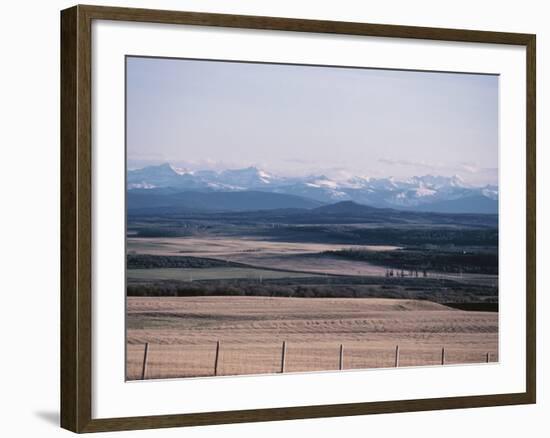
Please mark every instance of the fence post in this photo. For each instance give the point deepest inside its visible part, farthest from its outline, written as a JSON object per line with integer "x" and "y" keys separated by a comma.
{"x": 341, "y": 356}
{"x": 396, "y": 356}
{"x": 488, "y": 357}
{"x": 443, "y": 356}
{"x": 144, "y": 367}
{"x": 217, "y": 358}
{"x": 283, "y": 357}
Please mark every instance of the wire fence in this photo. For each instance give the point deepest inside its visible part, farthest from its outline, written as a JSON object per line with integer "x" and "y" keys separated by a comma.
{"x": 160, "y": 361}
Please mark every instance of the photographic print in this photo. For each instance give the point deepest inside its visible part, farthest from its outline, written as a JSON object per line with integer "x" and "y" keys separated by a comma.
{"x": 286, "y": 218}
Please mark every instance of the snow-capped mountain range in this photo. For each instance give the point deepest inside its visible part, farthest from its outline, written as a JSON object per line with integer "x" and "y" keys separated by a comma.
{"x": 426, "y": 193}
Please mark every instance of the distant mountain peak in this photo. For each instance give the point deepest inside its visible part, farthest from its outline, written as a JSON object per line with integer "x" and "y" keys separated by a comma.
{"x": 417, "y": 192}
{"x": 347, "y": 204}
{"x": 246, "y": 178}
{"x": 164, "y": 167}
{"x": 438, "y": 181}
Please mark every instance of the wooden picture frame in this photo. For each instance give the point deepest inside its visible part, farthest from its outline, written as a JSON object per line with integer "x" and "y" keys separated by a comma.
{"x": 76, "y": 217}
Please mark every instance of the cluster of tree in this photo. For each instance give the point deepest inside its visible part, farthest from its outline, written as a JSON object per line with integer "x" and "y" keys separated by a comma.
{"x": 434, "y": 236}
{"x": 344, "y": 234}
{"x": 264, "y": 289}
{"x": 148, "y": 261}
{"x": 425, "y": 260}
{"x": 162, "y": 231}
{"x": 410, "y": 273}
{"x": 445, "y": 292}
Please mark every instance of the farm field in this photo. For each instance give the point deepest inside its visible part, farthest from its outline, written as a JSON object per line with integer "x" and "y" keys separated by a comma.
{"x": 291, "y": 256}
{"x": 182, "y": 333}
{"x": 284, "y": 256}
{"x": 222, "y": 246}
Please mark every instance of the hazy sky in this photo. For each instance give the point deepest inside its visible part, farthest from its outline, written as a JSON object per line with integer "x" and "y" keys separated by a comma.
{"x": 294, "y": 120}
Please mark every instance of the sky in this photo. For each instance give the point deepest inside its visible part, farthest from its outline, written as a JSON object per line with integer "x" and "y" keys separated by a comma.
{"x": 297, "y": 120}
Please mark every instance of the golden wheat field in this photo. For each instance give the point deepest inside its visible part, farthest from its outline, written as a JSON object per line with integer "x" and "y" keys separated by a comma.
{"x": 182, "y": 333}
